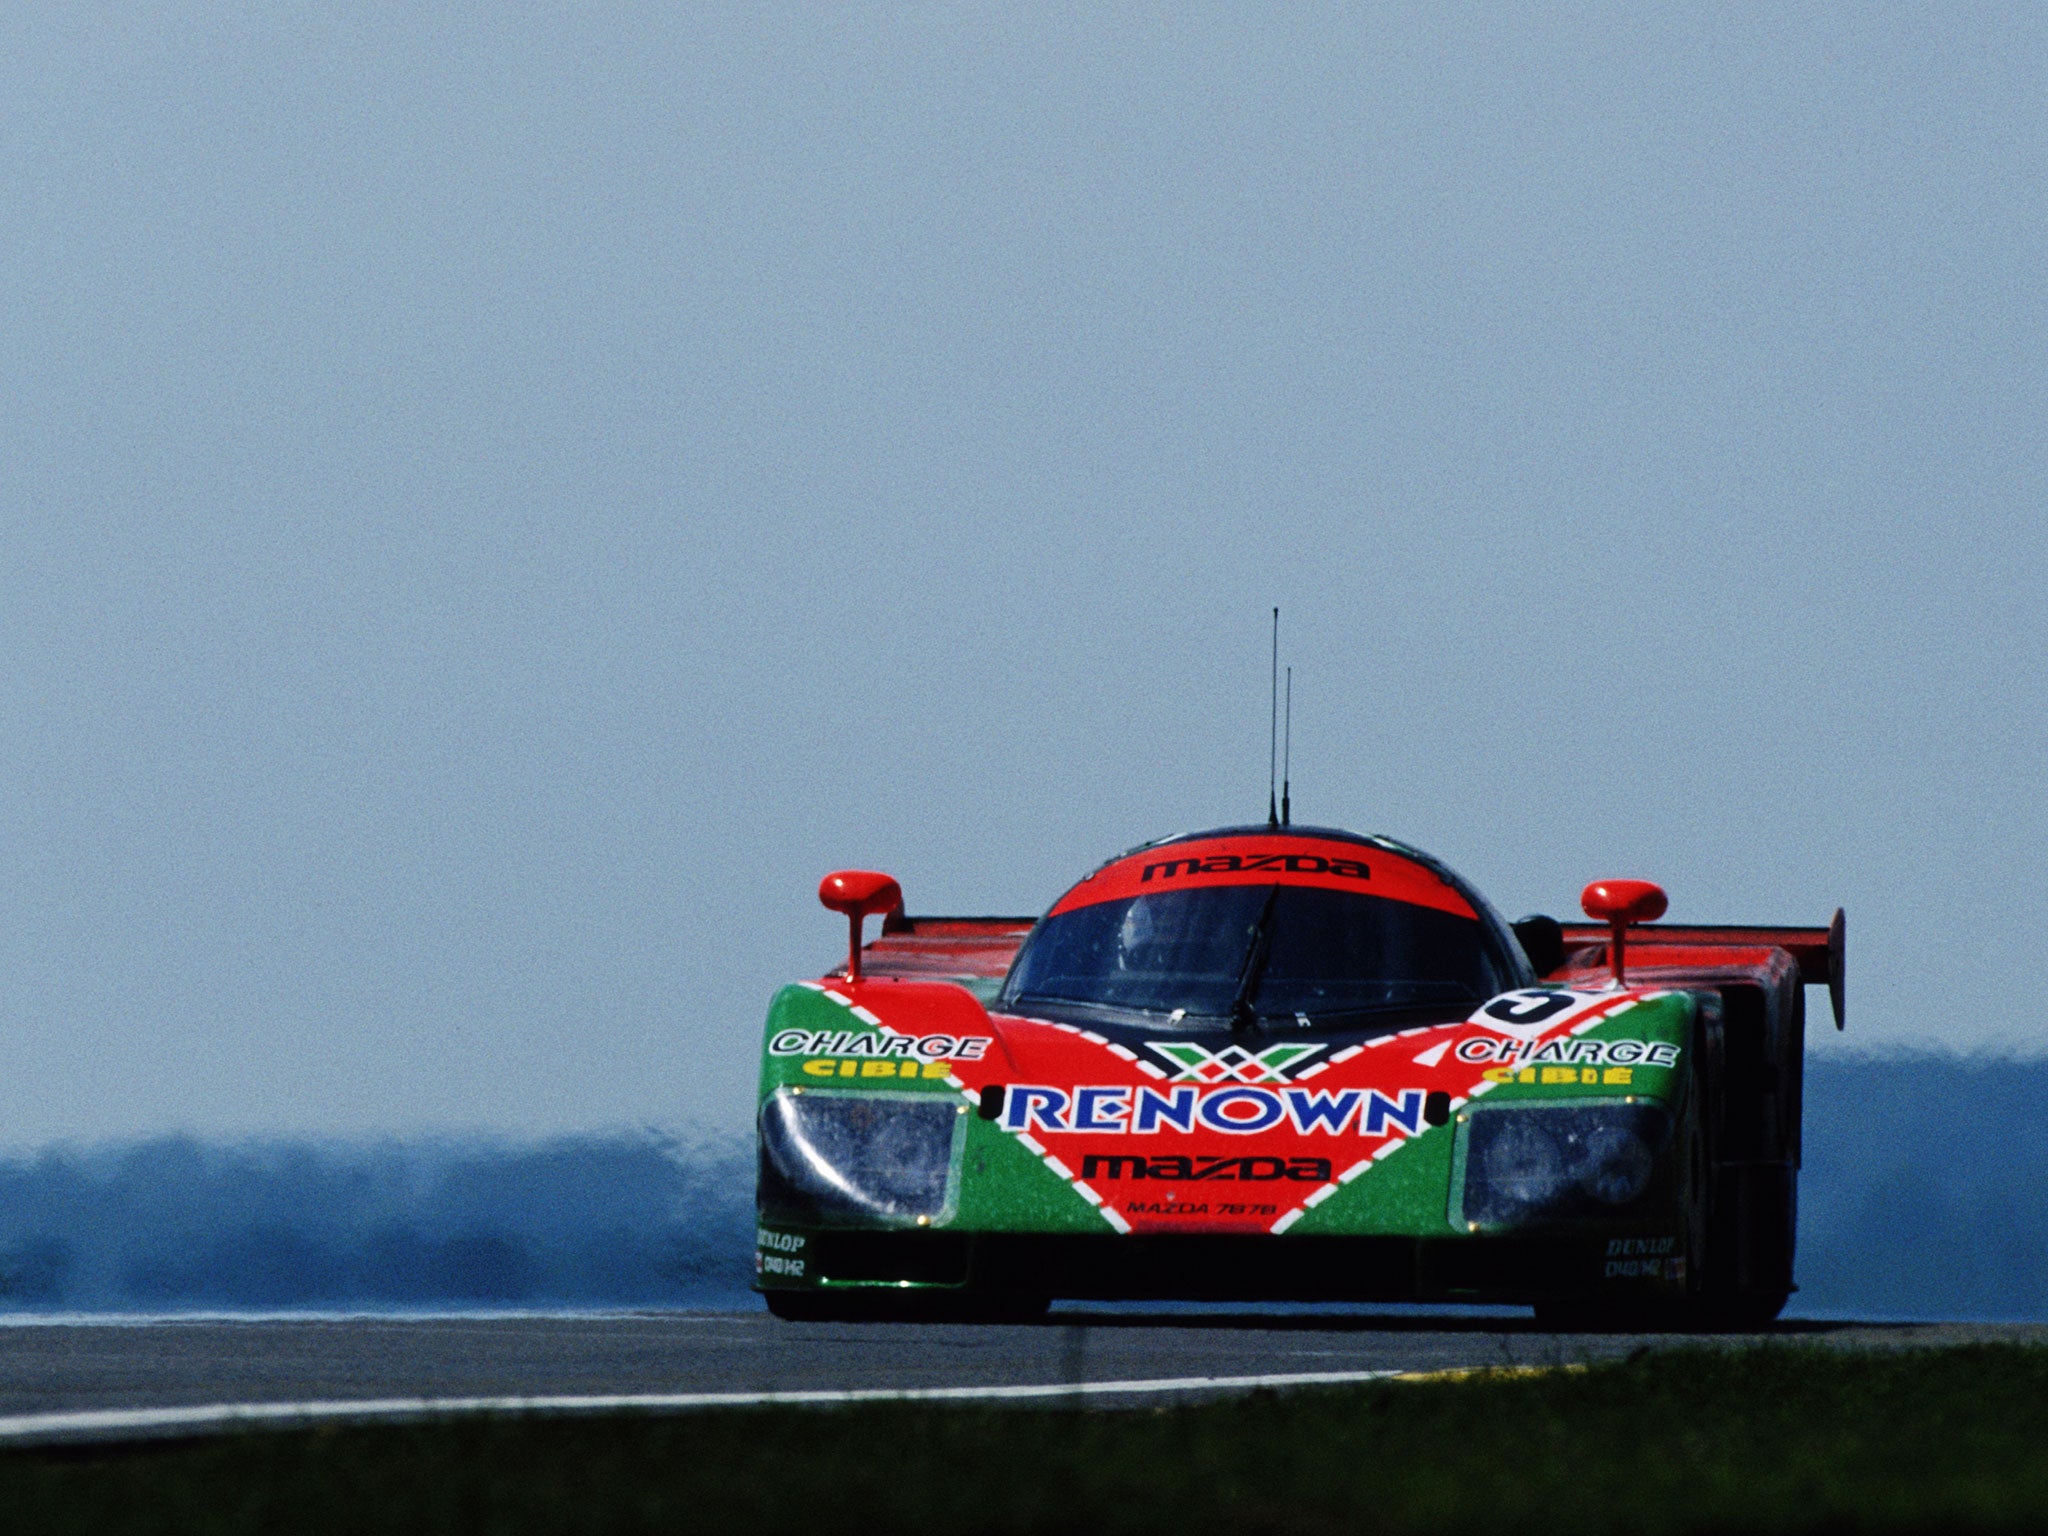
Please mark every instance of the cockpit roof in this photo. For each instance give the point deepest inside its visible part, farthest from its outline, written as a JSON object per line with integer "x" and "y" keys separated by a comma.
{"x": 1284, "y": 855}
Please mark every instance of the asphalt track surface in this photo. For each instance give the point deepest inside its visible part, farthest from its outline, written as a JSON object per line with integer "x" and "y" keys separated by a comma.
{"x": 97, "y": 1378}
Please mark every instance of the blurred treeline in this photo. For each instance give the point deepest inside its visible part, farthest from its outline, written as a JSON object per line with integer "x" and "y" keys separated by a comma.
{"x": 178, "y": 1223}
{"x": 1925, "y": 1195}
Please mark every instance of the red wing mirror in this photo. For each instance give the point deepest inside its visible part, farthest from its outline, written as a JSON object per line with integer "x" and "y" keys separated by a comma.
{"x": 1618, "y": 903}
{"x": 859, "y": 893}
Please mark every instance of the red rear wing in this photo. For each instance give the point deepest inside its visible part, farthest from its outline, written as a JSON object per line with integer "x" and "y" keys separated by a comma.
{"x": 945, "y": 946}
{"x": 1821, "y": 953}
{"x": 984, "y": 946}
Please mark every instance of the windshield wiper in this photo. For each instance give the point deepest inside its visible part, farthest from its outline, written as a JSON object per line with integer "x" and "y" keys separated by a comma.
{"x": 1242, "y": 1018}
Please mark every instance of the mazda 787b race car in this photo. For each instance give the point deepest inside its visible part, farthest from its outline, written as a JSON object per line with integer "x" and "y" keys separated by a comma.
{"x": 1288, "y": 1064}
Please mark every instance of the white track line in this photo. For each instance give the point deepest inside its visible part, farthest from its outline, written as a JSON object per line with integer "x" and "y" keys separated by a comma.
{"x": 120, "y": 1423}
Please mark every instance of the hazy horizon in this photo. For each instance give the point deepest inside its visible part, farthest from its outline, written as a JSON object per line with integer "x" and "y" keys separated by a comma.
{"x": 1893, "y": 1188}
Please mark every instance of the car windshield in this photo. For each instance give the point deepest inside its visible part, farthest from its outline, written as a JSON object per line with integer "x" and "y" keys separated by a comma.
{"x": 1242, "y": 953}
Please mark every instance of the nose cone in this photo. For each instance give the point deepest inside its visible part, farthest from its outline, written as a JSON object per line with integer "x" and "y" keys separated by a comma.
{"x": 1624, "y": 901}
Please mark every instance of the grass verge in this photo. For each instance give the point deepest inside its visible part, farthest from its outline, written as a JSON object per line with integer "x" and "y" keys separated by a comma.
{"x": 1775, "y": 1439}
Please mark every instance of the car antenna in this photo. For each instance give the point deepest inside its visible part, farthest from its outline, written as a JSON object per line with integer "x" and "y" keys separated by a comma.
{"x": 1287, "y": 753}
{"x": 1273, "y": 732}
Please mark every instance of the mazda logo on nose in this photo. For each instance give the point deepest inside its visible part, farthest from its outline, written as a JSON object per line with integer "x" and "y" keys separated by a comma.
{"x": 1252, "y": 863}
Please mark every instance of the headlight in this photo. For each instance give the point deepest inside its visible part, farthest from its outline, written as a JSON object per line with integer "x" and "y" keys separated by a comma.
{"x": 1560, "y": 1162}
{"x": 869, "y": 1156}
{"x": 1619, "y": 1165}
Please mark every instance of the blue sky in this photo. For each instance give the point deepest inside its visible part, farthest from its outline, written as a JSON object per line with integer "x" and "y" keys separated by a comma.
{"x": 495, "y": 501}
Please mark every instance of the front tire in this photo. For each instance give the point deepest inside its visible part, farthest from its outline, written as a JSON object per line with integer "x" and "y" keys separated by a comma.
{"x": 1739, "y": 1233}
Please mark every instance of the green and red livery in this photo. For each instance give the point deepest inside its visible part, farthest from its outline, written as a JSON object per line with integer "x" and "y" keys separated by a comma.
{"x": 1284, "y": 1063}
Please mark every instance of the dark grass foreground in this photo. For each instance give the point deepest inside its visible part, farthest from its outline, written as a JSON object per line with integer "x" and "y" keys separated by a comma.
{"x": 1778, "y": 1439}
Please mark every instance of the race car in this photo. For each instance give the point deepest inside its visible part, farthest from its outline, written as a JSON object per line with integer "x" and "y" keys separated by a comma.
{"x": 1285, "y": 1063}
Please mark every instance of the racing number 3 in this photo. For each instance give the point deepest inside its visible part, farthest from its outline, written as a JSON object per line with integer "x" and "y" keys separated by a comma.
{"x": 1523, "y": 1009}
